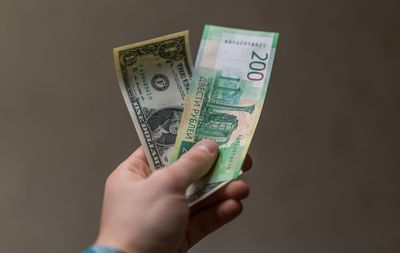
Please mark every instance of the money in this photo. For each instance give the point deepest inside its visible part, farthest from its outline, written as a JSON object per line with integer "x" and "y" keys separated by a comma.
{"x": 154, "y": 78}
{"x": 225, "y": 100}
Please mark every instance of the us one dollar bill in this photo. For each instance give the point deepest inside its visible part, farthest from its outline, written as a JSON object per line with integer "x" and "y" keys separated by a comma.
{"x": 154, "y": 78}
{"x": 225, "y": 100}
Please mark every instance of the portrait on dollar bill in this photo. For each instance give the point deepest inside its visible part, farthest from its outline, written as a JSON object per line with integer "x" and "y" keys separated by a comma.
{"x": 164, "y": 124}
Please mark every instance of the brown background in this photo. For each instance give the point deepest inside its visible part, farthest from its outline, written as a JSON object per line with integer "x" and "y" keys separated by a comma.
{"x": 327, "y": 162}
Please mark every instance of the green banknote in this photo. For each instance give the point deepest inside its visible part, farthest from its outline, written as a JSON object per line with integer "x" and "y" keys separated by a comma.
{"x": 154, "y": 76}
{"x": 225, "y": 100}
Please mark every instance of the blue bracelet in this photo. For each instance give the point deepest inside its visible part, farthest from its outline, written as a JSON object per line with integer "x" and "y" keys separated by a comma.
{"x": 101, "y": 249}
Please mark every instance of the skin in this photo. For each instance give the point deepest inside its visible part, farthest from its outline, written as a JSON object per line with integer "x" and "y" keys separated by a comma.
{"x": 145, "y": 212}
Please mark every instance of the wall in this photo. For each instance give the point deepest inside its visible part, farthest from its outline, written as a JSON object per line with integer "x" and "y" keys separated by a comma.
{"x": 326, "y": 151}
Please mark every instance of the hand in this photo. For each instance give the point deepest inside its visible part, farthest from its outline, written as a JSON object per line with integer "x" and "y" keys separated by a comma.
{"x": 146, "y": 212}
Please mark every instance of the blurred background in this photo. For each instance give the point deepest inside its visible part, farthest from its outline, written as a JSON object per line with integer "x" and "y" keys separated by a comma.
{"x": 326, "y": 152}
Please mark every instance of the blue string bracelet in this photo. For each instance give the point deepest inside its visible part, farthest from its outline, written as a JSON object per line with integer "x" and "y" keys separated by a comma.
{"x": 101, "y": 249}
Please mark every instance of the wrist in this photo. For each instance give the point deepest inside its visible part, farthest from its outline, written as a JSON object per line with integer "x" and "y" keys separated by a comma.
{"x": 113, "y": 243}
{"x": 101, "y": 249}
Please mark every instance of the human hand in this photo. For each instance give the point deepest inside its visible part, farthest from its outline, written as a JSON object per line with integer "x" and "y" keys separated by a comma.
{"x": 146, "y": 212}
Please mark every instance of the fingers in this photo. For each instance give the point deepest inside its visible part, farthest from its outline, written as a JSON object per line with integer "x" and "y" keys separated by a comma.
{"x": 192, "y": 165}
{"x": 138, "y": 154}
{"x": 248, "y": 163}
{"x": 211, "y": 219}
{"x": 237, "y": 190}
{"x": 136, "y": 164}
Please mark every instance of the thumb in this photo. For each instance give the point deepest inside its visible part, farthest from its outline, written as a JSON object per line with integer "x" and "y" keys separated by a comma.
{"x": 193, "y": 165}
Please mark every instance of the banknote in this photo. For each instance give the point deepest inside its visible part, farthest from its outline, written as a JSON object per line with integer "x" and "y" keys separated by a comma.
{"x": 225, "y": 100}
{"x": 154, "y": 78}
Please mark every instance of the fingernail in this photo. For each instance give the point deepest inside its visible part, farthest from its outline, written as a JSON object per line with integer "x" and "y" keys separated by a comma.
{"x": 207, "y": 145}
